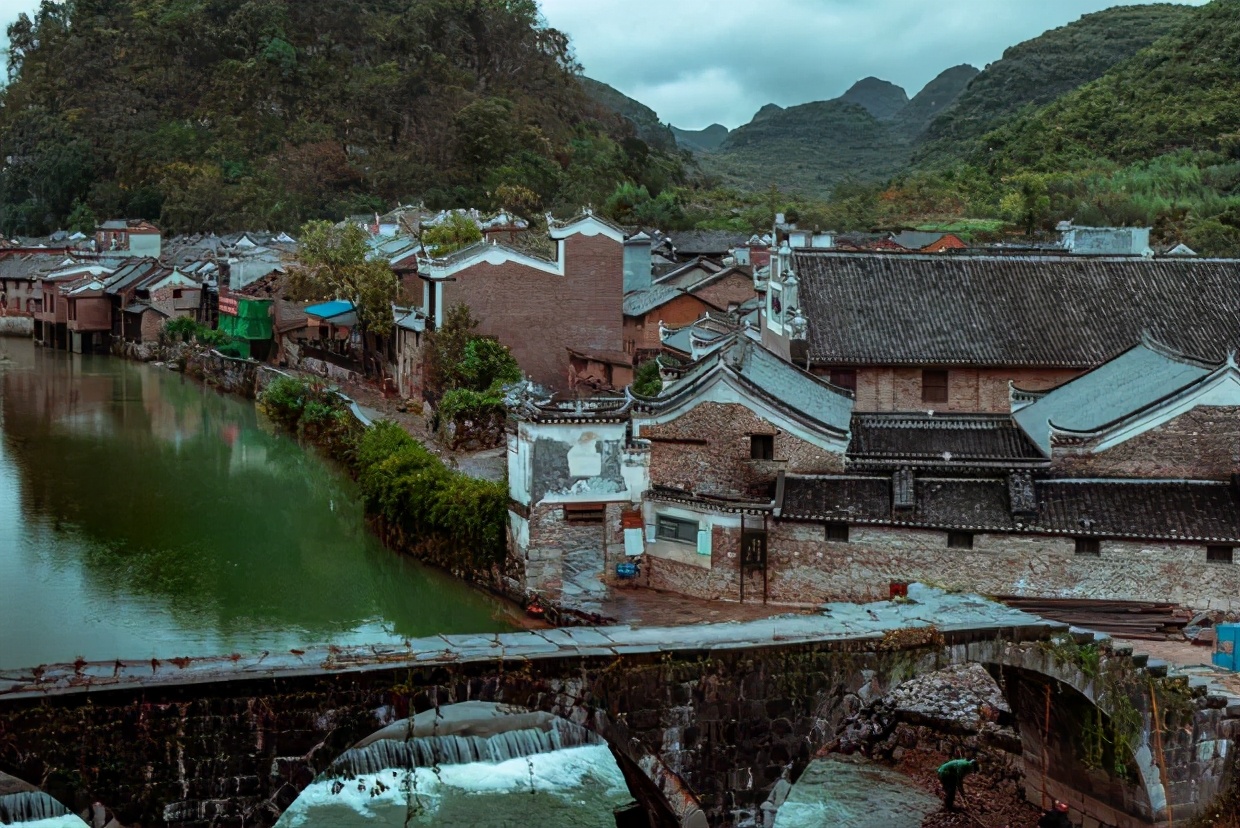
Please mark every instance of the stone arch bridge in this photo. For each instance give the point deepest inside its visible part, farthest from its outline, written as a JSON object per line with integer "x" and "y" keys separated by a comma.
{"x": 703, "y": 721}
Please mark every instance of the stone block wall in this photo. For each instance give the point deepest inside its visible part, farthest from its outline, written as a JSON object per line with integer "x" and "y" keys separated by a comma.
{"x": 707, "y": 450}
{"x": 1202, "y": 444}
{"x": 806, "y": 569}
{"x": 552, "y": 537}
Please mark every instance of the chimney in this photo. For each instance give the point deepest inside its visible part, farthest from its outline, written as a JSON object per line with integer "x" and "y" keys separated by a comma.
{"x": 638, "y": 269}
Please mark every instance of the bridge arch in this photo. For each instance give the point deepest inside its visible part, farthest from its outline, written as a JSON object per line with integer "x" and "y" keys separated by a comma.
{"x": 459, "y": 733}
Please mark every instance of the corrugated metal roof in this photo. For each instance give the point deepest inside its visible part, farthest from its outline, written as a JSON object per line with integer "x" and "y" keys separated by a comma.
{"x": 1034, "y": 311}
{"x": 1116, "y": 389}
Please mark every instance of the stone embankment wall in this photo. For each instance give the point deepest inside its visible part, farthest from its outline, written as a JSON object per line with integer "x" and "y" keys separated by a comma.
{"x": 806, "y": 569}
{"x": 17, "y": 326}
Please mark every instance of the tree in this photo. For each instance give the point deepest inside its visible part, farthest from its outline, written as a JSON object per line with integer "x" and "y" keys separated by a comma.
{"x": 334, "y": 263}
{"x": 455, "y": 233}
{"x": 1029, "y": 203}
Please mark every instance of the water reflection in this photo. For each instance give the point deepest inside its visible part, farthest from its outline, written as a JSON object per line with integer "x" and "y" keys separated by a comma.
{"x": 145, "y": 515}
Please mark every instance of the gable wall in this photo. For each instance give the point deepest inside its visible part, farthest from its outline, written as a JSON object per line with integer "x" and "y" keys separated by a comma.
{"x": 732, "y": 289}
{"x": 1202, "y": 444}
{"x": 540, "y": 315}
{"x": 970, "y": 390}
{"x": 718, "y": 461}
{"x": 642, "y": 333}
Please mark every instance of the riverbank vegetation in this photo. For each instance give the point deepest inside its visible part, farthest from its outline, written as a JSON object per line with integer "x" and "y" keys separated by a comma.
{"x": 422, "y": 506}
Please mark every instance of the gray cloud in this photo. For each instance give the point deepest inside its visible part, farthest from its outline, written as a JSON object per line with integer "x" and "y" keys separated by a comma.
{"x": 698, "y": 62}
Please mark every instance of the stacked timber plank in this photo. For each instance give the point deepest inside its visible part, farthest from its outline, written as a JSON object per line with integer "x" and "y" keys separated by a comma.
{"x": 1123, "y": 619}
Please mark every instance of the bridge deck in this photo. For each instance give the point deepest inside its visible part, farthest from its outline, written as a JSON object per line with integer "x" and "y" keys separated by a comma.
{"x": 952, "y": 615}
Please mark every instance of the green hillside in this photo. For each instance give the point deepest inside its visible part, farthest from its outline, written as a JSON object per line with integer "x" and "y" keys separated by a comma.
{"x": 1040, "y": 70}
{"x": 645, "y": 120}
{"x": 1181, "y": 93}
{"x": 880, "y": 98}
{"x": 226, "y": 114}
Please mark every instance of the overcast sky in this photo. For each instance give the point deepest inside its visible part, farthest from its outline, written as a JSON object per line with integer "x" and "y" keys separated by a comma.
{"x": 699, "y": 62}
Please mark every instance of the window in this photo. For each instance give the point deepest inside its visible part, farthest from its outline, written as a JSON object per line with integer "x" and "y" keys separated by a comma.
{"x": 1089, "y": 546}
{"x": 177, "y": 293}
{"x": 1219, "y": 554}
{"x": 844, "y": 378}
{"x": 960, "y": 540}
{"x": 934, "y": 386}
{"x": 837, "y": 532}
{"x": 589, "y": 513}
{"x": 762, "y": 447}
{"x": 674, "y": 529}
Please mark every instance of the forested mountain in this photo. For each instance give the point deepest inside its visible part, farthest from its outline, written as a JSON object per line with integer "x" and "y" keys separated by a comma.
{"x": 866, "y": 134}
{"x": 645, "y": 121}
{"x": 697, "y": 140}
{"x": 221, "y": 114}
{"x": 1181, "y": 93}
{"x": 1040, "y": 70}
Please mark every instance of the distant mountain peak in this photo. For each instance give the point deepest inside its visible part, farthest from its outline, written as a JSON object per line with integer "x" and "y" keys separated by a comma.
{"x": 767, "y": 111}
{"x": 701, "y": 139}
{"x": 882, "y": 99}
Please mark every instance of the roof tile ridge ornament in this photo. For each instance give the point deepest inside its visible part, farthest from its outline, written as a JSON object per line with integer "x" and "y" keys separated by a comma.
{"x": 1156, "y": 345}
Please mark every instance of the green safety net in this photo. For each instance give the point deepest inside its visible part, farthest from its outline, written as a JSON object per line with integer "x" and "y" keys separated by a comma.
{"x": 253, "y": 320}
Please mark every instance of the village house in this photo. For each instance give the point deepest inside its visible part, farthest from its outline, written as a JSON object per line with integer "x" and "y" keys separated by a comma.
{"x": 541, "y": 308}
{"x": 680, "y": 298}
{"x": 128, "y": 237}
{"x": 750, "y": 479}
{"x": 52, "y": 323}
{"x": 914, "y": 332}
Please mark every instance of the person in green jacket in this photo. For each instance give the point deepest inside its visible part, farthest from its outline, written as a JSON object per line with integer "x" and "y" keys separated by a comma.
{"x": 951, "y": 776}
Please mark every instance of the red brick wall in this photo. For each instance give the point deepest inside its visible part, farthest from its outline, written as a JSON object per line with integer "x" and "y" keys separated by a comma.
{"x": 1202, "y": 444}
{"x": 732, "y": 289}
{"x": 539, "y": 315}
{"x": 642, "y": 333}
{"x": 152, "y": 324}
{"x": 721, "y": 463}
{"x": 92, "y": 314}
{"x": 983, "y": 390}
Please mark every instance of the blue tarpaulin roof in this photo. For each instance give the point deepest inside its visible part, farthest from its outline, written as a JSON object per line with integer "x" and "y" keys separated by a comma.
{"x": 338, "y": 312}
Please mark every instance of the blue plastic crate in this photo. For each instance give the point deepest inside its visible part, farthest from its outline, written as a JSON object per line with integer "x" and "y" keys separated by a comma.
{"x": 1226, "y": 644}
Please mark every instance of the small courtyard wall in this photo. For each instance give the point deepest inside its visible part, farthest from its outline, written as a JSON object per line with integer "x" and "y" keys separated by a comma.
{"x": 806, "y": 569}
{"x": 1201, "y": 444}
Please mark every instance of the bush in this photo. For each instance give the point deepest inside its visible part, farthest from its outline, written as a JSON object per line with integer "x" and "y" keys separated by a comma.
{"x": 185, "y": 329}
{"x": 646, "y": 381}
{"x": 407, "y": 486}
{"x": 314, "y": 411}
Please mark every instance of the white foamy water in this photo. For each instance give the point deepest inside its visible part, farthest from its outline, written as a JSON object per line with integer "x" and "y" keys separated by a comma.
{"x": 570, "y": 788}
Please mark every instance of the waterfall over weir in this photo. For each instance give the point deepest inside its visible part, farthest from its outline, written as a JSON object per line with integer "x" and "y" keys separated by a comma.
{"x": 461, "y": 748}
{"x": 29, "y": 806}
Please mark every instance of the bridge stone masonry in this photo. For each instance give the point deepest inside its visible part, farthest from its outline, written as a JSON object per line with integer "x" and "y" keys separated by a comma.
{"x": 704, "y": 721}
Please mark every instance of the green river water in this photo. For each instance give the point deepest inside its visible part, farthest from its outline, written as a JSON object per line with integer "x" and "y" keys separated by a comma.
{"x": 144, "y": 515}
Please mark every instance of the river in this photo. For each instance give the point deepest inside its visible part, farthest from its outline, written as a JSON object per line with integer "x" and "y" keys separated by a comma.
{"x": 144, "y": 515}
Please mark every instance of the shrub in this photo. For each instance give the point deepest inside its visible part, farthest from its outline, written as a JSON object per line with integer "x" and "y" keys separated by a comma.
{"x": 646, "y": 381}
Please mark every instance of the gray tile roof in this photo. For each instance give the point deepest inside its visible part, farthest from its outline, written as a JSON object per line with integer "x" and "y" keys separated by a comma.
{"x": 1119, "y": 388}
{"x": 1077, "y": 312}
{"x": 1202, "y": 512}
{"x": 940, "y": 440}
{"x": 777, "y": 381}
{"x": 915, "y": 239}
{"x": 706, "y": 242}
{"x": 642, "y": 302}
